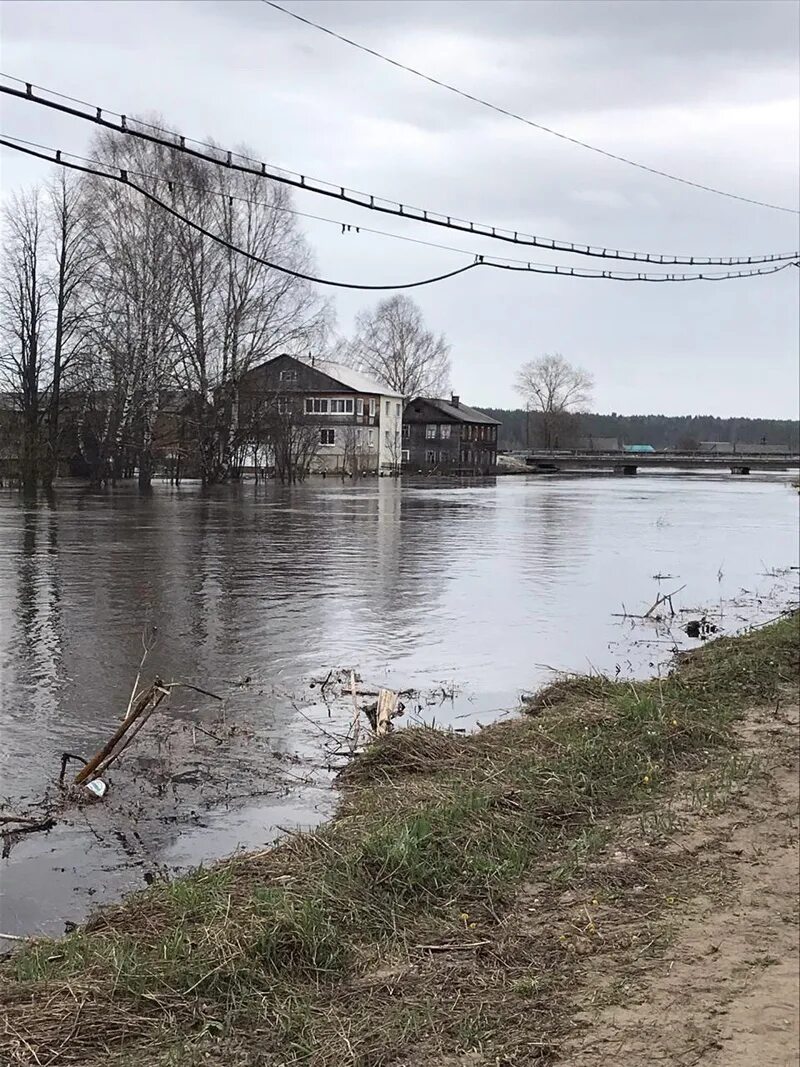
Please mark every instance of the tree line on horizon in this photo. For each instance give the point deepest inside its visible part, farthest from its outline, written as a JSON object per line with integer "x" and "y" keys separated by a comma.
{"x": 522, "y": 429}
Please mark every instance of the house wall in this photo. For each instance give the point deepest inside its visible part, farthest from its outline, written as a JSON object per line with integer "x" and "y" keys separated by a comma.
{"x": 391, "y": 431}
{"x": 433, "y": 440}
{"x": 370, "y": 432}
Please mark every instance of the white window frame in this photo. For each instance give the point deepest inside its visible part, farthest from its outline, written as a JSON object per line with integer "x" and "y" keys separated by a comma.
{"x": 405, "y": 455}
{"x": 283, "y": 405}
{"x": 444, "y": 430}
{"x": 316, "y": 405}
{"x": 430, "y": 455}
{"x": 372, "y": 407}
{"x": 360, "y": 405}
{"x": 327, "y": 437}
{"x": 288, "y": 376}
{"x": 431, "y": 431}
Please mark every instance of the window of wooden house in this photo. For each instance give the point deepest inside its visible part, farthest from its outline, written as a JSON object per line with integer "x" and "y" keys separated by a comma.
{"x": 430, "y": 456}
{"x": 444, "y": 430}
{"x": 283, "y": 405}
{"x": 342, "y": 407}
{"x": 327, "y": 437}
{"x": 316, "y": 405}
{"x": 360, "y": 405}
{"x": 372, "y": 407}
{"x": 288, "y": 375}
{"x": 406, "y": 454}
{"x": 430, "y": 431}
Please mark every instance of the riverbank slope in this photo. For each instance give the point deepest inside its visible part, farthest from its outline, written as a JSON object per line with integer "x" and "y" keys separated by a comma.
{"x": 547, "y": 889}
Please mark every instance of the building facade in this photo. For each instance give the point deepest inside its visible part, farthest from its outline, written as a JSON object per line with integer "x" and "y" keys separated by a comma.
{"x": 448, "y": 437}
{"x": 320, "y": 416}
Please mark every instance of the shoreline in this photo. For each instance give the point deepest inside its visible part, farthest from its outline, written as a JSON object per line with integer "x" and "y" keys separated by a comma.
{"x": 402, "y": 927}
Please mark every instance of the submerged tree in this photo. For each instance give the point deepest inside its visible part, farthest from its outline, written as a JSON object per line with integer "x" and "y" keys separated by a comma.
{"x": 393, "y": 344}
{"x": 24, "y": 321}
{"x": 554, "y": 391}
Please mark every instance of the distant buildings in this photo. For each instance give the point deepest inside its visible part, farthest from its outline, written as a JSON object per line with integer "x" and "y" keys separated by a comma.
{"x": 447, "y": 436}
{"x": 319, "y": 417}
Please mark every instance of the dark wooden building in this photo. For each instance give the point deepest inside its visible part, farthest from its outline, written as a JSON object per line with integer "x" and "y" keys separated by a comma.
{"x": 448, "y": 437}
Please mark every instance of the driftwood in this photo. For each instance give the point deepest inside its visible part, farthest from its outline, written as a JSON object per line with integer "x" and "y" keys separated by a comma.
{"x": 386, "y": 711}
{"x": 356, "y": 712}
{"x": 144, "y": 705}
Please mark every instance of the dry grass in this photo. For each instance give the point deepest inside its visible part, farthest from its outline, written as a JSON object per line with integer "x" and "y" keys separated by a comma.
{"x": 394, "y": 934}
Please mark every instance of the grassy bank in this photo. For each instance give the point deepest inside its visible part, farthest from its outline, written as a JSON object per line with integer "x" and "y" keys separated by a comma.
{"x": 396, "y": 933}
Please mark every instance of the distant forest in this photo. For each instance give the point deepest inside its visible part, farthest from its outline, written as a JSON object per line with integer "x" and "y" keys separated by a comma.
{"x": 519, "y": 430}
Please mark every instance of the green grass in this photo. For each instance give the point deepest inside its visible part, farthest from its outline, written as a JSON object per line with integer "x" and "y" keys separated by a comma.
{"x": 262, "y": 956}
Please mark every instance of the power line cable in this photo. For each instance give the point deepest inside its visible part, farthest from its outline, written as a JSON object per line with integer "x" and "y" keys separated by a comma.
{"x": 228, "y": 159}
{"x": 521, "y": 118}
{"x": 123, "y": 178}
{"x": 346, "y": 227}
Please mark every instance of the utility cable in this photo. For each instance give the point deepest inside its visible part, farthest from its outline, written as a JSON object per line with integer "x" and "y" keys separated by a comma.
{"x": 228, "y": 159}
{"x": 123, "y": 178}
{"x": 521, "y": 118}
{"x": 346, "y": 227}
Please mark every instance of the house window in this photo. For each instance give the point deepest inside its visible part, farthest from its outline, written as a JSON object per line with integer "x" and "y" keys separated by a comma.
{"x": 283, "y": 405}
{"x": 288, "y": 375}
{"x": 327, "y": 437}
{"x": 406, "y": 429}
{"x": 387, "y": 407}
{"x": 371, "y": 438}
{"x": 397, "y": 410}
{"x": 372, "y": 407}
{"x": 444, "y": 430}
{"x": 430, "y": 456}
{"x": 387, "y": 438}
{"x": 406, "y": 455}
{"x": 430, "y": 430}
{"x": 316, "y": 405}
{"x": 341, "y": 407}
{"x": 360, "y": 406}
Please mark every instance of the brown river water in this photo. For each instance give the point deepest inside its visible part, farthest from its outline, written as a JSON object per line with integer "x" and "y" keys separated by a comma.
{"x": 470, "y": 594}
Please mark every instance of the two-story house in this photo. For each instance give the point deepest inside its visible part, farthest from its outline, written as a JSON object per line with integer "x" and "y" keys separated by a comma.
{"x": 328, "y": 417}
{"x": 448, "y": 437}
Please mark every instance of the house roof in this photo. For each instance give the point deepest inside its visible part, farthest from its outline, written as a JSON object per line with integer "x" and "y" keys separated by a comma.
{"x": 353, "y": 379}
{"x": 462, "y": 413}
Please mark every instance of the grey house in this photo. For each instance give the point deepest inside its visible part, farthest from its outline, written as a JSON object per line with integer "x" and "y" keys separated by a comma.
{"x": 448, "y": 437}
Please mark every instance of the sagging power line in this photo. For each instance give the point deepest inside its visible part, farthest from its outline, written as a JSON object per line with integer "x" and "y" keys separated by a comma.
{"x": 521, "y": 118}
{"x": 122, "y": 177}
{"x": 346, "y": 227}
{"x": 244, "y": 164}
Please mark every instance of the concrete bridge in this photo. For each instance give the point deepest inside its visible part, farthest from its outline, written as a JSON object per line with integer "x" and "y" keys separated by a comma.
{"x": 628, "y": 463}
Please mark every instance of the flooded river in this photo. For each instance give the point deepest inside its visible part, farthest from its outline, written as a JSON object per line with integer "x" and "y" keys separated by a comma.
{"x": 470, "y": 594}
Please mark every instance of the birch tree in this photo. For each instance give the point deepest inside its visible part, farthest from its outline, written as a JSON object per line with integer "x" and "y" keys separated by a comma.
{"x": 393, "y": 344}
{"x": 137, "y": 281}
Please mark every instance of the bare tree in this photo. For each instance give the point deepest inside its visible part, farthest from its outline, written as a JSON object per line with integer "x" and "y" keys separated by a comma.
{"x": 24, "y": 318}
{"x": 73, "y": 255}
{"x": 554, "y": 391}
{"x": 137, "y": 283}
{"x": 393, "y": 344}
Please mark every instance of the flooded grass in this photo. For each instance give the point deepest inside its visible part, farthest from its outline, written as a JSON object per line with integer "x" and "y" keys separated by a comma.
{"x": 325, "y": 949}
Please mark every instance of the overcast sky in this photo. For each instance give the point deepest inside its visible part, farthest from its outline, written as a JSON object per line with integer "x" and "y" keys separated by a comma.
{"x": 708, "y": 91}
